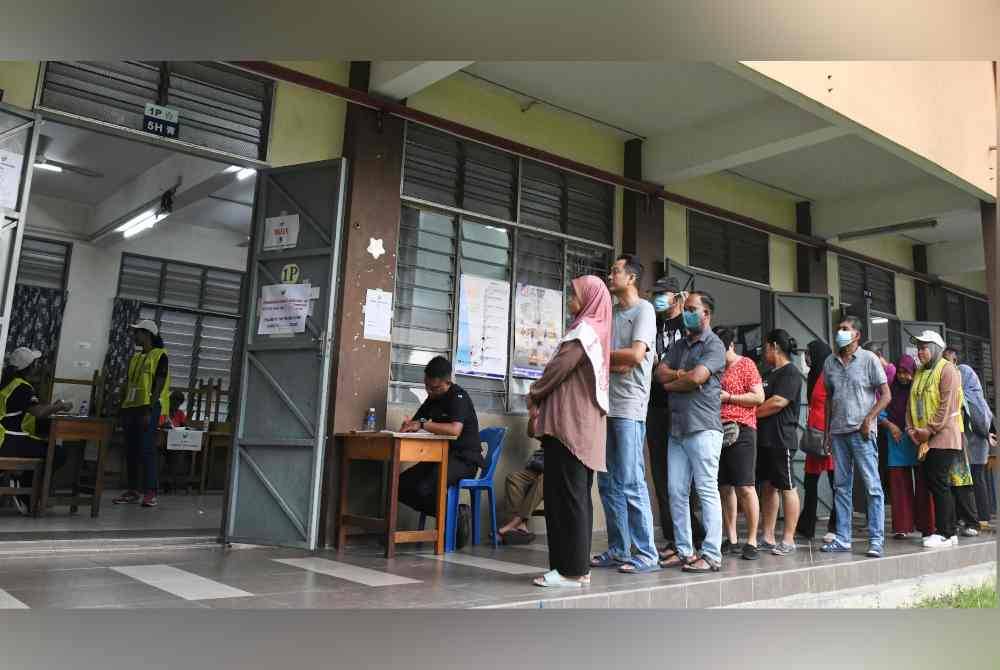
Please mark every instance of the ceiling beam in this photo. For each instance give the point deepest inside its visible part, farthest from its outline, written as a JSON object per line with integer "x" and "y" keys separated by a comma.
{"x": 398, "y": 80}
{"x": 926, "y": 198}
{"x": 736, "y": 138}
{"x": 948, "y": 258}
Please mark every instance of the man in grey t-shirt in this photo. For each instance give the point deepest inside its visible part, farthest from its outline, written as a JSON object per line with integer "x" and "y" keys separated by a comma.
{"x": 623, "y": 487}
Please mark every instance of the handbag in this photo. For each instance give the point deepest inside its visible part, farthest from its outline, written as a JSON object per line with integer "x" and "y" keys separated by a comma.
{"x": 814, "y": 442}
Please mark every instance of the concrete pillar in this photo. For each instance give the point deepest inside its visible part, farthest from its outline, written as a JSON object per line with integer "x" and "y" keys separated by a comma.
{"x": 642, "y": 220}
{"x": 373, "y": 146}
{"x": 810, "y": 263}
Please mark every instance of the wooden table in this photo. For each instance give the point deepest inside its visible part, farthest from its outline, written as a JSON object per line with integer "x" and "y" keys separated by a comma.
{"x": 394, "y": 449}
{"x": 76, "y": 428}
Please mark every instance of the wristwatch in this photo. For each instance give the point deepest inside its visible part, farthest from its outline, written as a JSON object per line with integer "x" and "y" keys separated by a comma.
{"x": 422, "y": 424}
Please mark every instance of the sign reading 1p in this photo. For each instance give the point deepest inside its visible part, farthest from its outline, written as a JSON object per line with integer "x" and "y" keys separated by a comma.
{"x": 160, "y": 120}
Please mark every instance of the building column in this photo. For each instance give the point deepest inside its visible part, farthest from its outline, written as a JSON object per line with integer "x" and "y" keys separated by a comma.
{"x": 991, "y": 242}
{"x": 810, "y": 263}
{"x": 642, "y": 221}
{"x": 373, "y": 146}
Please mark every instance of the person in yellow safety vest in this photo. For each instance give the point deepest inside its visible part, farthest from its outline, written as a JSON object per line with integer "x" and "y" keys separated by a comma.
{"x": 24, "y": 421}
{"x": 146, "y": 398}
{"x": 934, "y": 423}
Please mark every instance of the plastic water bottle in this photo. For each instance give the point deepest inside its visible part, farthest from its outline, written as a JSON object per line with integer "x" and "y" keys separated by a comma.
{"x": 370, "y": 420}
{"x": 84, "y": 408}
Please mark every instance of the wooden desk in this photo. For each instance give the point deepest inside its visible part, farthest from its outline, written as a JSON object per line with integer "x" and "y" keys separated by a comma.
{"x": 394, "y": 449}
{"x": 73, "y": 428}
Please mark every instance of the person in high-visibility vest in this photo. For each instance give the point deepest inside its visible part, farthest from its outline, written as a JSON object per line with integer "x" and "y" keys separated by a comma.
{"x": 145, "y": 400}
{"x": 24, "y": 422}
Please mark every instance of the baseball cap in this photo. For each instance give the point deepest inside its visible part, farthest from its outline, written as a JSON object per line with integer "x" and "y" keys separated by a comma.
{"x": 667, "y": 284}
{"x": 929, "y": 337}
{"x": 22, "y": 357}
{"x": 148, "y": 325}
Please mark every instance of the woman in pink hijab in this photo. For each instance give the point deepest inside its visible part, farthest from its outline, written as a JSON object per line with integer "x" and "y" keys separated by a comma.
{"x": 568, "y": 409}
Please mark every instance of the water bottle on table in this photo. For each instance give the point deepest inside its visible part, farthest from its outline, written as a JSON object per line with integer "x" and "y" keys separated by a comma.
{"x": 370, "y": 420}
{"x": 84, "y": 408}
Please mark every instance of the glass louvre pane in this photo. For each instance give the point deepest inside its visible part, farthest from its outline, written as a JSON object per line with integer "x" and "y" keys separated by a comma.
{"x": 43, "y": 263}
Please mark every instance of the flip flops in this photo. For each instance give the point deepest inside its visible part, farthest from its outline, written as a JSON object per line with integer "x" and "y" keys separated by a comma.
{"x": 674, "y": 559}
{"x": 517, "y": 536}
{"x": 552, "y": 578}
{"x": 638, "y": 569}
{"x": 605, "y": 561}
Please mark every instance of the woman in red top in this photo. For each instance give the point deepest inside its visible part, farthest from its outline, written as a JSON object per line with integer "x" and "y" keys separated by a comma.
{"x": 742, "y": 393}
{"x": 816, "y": 354}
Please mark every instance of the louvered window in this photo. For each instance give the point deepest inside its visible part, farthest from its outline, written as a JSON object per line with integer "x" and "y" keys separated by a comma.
{"x": 192, "y": 305}
{"x": 718, "y": 245}
{"x": 968, "y": 322}
{"x": 858, "y": 279}
{"x": 44, "y": 263}
{"x": 218, "y": 107}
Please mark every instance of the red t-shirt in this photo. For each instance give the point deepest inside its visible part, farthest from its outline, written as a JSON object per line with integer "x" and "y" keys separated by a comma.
{"x": 740, "y": 378}
{"x": 817, "y": 405}
{"x": 177, "y": 419}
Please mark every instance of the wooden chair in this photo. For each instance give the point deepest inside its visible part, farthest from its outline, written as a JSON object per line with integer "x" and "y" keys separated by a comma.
{"x": 220, "y": 429}
{"x": 35, "y": 465}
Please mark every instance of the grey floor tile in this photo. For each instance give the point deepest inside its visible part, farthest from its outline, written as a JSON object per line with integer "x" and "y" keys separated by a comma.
{"x": 708, "y": 594}
{"x": 118, "y": 594}
{"x": 630, "y": 600}
{"x": 767, "y": 586}
{"x": 737, "y": 590}
{"x": 823, "y": 579}
{"x": 795, "y": 582}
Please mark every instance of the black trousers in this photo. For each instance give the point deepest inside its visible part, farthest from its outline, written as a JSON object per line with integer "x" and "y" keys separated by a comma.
{"x": 19, "y": 446}
{"x": 569, "y": 511}
{"x": 657, "y": 436}
{"x": 807, "y": 519}
{"x": 981, "y": 485}
{"x": 965, "y": 505}
{"x": 139, "y": 425}
{"x": 936, "y": 467}
{"x": 419, "y": 484}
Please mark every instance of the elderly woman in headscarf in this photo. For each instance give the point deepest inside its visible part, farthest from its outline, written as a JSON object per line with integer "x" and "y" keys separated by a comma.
{"x": 934, "y": 423}
{"x": 911, "y": 503}
{"x": 568, "y": 409}
{"x": 978, "y": 419}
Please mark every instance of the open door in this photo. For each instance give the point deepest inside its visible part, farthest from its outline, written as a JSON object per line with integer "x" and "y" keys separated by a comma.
{"x": 18, "y": 141}
{"x": 285, "y": 377}
{"x": 907, "y": 329}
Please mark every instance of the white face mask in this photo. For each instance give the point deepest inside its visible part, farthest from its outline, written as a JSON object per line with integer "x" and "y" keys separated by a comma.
{"x": 844, "y": 338}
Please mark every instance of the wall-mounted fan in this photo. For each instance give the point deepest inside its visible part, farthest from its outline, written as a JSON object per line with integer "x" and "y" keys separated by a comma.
{"x": 41, "y": 160}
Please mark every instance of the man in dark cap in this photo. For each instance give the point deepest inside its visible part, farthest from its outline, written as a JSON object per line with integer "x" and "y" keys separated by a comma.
{"x": 668, "y": 302}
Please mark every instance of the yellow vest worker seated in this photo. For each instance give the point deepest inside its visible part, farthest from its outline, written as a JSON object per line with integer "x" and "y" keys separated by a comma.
{"x": 146, "y": 398}
{"x": 25, "y": 426}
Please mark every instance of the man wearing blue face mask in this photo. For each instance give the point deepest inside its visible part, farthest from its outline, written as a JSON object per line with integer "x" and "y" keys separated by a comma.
{"x": 857, "y": 391}
{"x": 668, "y": 302}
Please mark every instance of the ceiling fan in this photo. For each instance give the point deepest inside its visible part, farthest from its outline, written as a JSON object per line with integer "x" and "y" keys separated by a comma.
{"x": 41, "y": 160}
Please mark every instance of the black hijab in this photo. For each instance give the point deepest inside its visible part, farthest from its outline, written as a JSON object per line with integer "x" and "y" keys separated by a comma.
{"x": 818, "y": 353}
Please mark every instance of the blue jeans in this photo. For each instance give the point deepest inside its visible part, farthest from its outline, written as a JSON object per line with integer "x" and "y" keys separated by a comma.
{"x": 850, "y": 450}
{"x": 624, "y": 494}
{"x": 696, "y": 456}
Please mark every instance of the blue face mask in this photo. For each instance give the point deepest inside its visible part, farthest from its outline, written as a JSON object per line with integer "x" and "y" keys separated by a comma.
{"x": 844, "y": 338}
{"x": 692, "y": 321}
{"x": 660, "y": 302}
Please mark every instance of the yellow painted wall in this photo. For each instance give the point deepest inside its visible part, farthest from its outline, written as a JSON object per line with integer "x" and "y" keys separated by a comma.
{"x": 308, "y": 125}
{"x": 944, "y": 111}
{"x": 743, "y": 197}
{"x": 974, "y": 281}
{"x": 18, "y": 79}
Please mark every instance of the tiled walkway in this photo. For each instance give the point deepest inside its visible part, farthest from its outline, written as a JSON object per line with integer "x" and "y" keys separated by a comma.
{"x": 255, "y": 577}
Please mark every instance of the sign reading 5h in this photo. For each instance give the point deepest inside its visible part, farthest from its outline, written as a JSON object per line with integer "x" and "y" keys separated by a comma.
{"x": 159, "y": 120}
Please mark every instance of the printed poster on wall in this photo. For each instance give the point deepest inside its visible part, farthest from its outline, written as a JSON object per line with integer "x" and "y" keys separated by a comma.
{"x": 538, "y": 326}
{"x": 283, "y": 309}
{"x": 483, "y": 320}
{"x": 281, "y": 232}
{"x": 10, "y": 178}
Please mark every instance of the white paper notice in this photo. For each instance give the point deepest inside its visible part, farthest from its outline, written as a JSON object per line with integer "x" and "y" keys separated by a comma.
{"x": 378, "y": 315}
{"x": 283, "y": 309}
{"x": 281, "y": 232}
{"x": 10, "y": 178}
{"x": 483, "y": 317}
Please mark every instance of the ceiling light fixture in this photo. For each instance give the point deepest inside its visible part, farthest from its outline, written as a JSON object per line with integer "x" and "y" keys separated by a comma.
{"x": 48, "y": 166}
{"x": 879, "y": 320}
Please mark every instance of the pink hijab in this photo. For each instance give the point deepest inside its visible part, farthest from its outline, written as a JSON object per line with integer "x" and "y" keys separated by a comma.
{"x": 592, "y": 328}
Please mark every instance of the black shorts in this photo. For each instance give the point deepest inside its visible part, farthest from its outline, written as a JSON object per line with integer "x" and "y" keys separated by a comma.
{"x": 774, "y": 466}
{"x": 736, "y": 465}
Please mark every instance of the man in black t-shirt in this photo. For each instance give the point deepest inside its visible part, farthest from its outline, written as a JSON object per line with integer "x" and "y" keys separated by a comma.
{"x": 668, "y": 302}
{"x": 448, "y": 410}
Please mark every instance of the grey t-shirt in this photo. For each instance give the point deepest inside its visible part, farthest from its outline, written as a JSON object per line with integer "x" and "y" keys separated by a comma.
{"x": 851, "y": 390}
{"x": 700, "y": 409}
{"x": 630, "y": 391}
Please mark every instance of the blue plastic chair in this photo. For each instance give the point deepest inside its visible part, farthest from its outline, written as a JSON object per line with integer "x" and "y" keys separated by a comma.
{"x": 494, "y": 439}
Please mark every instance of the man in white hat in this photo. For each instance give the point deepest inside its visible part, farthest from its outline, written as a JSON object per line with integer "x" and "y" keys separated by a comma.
{"x": 23, "y": 422}
{"x": 146, "y": 398}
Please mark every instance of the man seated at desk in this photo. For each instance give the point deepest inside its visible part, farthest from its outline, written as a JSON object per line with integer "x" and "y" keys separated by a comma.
{"x": 448, "y": 411}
